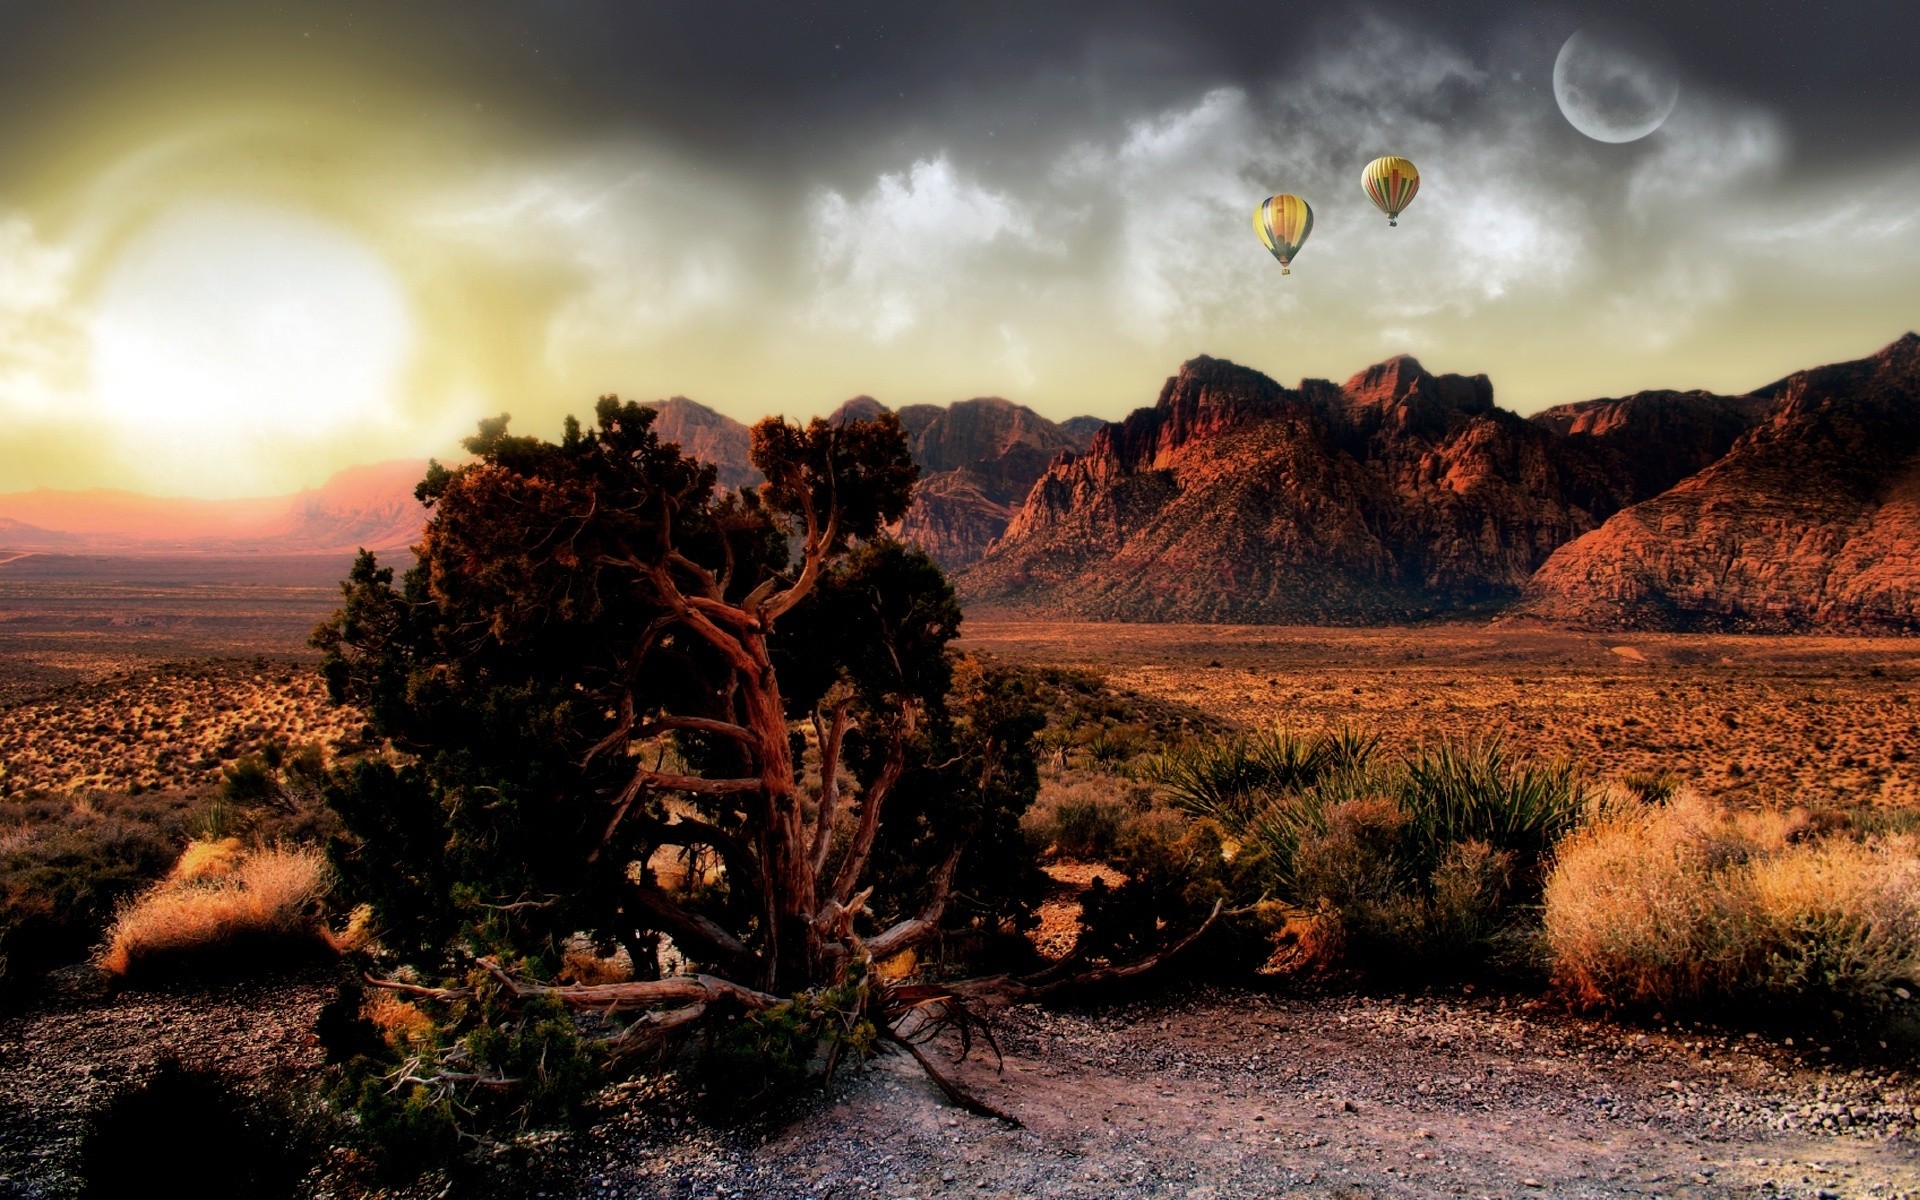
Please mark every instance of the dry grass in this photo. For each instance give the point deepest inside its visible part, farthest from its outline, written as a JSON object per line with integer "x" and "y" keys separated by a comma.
{"x": 218, "y": 905}
{"x": 1687, "y": 902}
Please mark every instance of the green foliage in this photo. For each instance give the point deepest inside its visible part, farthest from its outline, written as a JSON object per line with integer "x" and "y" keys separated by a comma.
{"x": 482, "y": 1069}
{"x": 1454, "y": 794}
{"x": 1229, "y": 779}
{"x": 1088, "y": 829}
{"x": 978, "y": 772}
{"x": 1429, "y": 862}
{"x": 763, "y": 1059}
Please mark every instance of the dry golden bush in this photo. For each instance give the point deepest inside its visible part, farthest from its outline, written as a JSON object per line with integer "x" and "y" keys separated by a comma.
{"x": 404, "y": 1025}
{"x": 268, "y": 900}
{"x": 208, "y": 858}
{"x": 1687, "y": 902}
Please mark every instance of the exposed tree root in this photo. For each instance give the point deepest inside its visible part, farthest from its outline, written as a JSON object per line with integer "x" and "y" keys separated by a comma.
{"x": 947, "y": 1084}
{"x": 909, "y": 1016}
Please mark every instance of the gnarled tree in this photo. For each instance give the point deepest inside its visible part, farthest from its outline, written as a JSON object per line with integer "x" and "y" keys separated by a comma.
{"x": 629, "y": 706}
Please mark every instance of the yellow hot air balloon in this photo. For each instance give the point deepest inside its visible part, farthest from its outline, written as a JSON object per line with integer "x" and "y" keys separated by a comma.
{"x": 1391, "y": 183}
{"x": 1283, "y": 223}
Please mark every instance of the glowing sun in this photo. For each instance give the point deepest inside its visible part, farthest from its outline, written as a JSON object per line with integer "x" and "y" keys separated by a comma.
{"x": 229, "y": 326}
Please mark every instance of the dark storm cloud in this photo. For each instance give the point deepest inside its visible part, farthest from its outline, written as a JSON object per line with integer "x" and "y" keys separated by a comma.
{"x": 817, "y": 88}
{"x": 774, "y": 206}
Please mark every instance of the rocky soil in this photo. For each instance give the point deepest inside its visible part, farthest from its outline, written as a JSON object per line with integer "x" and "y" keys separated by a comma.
{"x": 1206, "y": 1095}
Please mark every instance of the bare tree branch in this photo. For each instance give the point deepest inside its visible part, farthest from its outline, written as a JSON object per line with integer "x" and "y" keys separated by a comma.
{"x": 641, "y": 993}
{"x": 687, "y": 926}
{"x": 947, "y": 1084}
{"x": 916, "y": 929}
{"x": 855, "y": 860}
{"x": 738, "y": 733}
{"x": 832, "y": 736}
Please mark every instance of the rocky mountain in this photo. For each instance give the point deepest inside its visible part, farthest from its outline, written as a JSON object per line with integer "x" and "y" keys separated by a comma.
{"x": 1658, "y": 438}
{"x": 1810, "y": 519}
{"x": 709, "y": 436}
{"x": 978, "y": 459}
{"x": 1396, "y": 495}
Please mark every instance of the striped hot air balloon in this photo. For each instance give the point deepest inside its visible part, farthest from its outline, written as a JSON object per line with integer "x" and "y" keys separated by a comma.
{"x": 1283, "y": 223}
{"x": 1391, "y": 183}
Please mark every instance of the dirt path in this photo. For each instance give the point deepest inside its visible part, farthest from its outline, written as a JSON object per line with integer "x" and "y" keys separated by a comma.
{"x": 1228, "y": 1096}
{"x": 1218, "y": 1096}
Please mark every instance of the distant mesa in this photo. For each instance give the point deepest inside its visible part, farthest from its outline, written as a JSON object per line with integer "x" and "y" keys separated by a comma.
{"x": 1402, "y": 495}
{"x": 370, "y": 506}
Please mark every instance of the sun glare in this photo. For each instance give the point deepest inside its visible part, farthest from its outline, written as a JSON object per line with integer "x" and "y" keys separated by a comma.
{"x": 227, "y": 326}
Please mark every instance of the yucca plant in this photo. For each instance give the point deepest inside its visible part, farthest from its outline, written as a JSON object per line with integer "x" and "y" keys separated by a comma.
{"x": 1480, "y": 792}
{"x": 1236, "y": 780}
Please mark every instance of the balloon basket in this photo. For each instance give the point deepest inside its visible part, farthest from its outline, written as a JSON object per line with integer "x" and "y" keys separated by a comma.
{"x": 1286, "y": 270}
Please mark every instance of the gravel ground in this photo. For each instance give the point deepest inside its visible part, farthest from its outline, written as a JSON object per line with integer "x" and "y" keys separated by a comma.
{"x": 1208, "y": 1096}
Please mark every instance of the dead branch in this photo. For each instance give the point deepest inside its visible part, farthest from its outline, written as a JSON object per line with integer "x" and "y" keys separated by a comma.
{"x": 855, "y": 859}
{"x": 916, "y": 929}
{"x": 688, "y": 926}
{"x": 947, "y": 1084}
{"x": 1002, "y": 989}
{"x": 641, "y": 993}
{"x": 832, "y": 736}
{"x": 414, "y": 989}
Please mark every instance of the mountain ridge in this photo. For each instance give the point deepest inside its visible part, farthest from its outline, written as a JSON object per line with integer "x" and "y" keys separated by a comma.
{"x": 1401, "y": 495}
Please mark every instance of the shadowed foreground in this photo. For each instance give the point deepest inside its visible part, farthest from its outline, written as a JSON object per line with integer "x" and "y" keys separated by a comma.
{"x": 1218, "y": 1094}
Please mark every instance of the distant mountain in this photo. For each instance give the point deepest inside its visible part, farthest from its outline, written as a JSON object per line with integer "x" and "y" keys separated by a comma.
{"x": 1397, "y": 495}
{"x": 978, "y": 460}
{"x": 709, "y": 436}
{"x": 1811, "y": 519}
{"x": 1401, "y": 494}
{"x": 368, "y": 506}
{"x": 1658, "y": 438}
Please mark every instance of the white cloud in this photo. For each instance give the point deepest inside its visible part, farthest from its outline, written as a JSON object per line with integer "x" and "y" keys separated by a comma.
{"x": 42, "y": 341}
{"x": 1706, "y": 151}
{"x": 646, "y": 250}
{"x": 884, "y": 261}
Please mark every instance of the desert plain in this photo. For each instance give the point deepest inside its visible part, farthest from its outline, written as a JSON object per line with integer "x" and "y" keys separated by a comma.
{"x": 149, "y": 676}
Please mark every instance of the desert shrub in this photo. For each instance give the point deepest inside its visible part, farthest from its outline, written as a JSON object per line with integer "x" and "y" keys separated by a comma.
{"x": 1082, "y": 814}
{"x": 221, "y": 906}
{"x": 1177, "y": 870}
{"x": 1686, "y": 903}
{"x": 193, "y": 1122}
{"x": 1088, "y": 829}
{"x": 67, "y": 862}
{"x": 1423, "y": 863}
{"x": 1482, "y": 793}
{"x": 1232, "y": 779}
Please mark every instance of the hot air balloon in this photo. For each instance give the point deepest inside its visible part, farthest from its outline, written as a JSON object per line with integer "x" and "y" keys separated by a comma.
{"x": 1283, "y": 223}
{"x": 1391, "y": 183}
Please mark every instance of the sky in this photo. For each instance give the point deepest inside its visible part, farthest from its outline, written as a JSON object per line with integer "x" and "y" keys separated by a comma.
{"x": 245, "y": 244}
